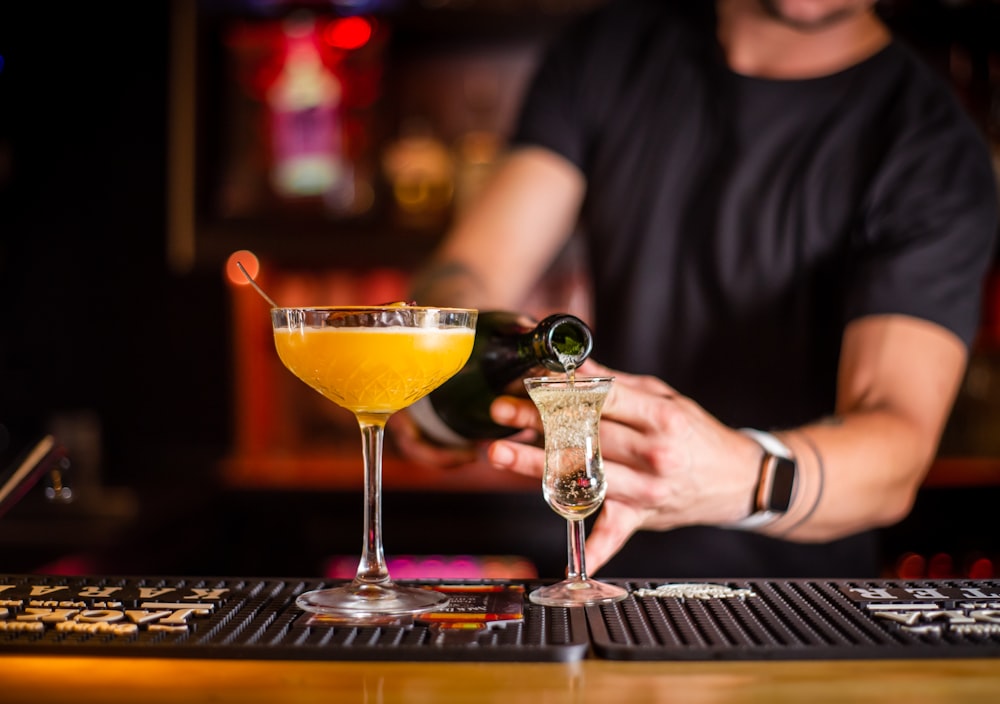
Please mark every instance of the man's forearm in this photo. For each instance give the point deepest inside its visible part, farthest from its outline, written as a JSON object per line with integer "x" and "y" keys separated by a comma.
{"x": 446, "y": 283}
{"x": 854, "y": 473}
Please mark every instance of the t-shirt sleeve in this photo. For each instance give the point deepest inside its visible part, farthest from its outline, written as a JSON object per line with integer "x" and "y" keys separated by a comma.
{"x": 578, "y": 83}
{"x": 550, "y": 114}
{"x": 930, "y": 227}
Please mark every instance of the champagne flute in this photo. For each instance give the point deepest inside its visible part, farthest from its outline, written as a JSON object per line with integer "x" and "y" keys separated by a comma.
{"x": 373, "y": 361}
{"x": 573, "y": 482}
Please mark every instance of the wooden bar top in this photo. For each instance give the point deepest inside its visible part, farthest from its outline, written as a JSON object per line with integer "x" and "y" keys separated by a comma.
{"x": 82, "y": 680}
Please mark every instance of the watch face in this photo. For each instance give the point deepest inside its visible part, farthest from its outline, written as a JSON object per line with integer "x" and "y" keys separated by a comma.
{"x": 782, "y": 483}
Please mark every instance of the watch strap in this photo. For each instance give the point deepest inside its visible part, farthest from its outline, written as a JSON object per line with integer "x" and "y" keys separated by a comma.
{"x": 775, "y": 484}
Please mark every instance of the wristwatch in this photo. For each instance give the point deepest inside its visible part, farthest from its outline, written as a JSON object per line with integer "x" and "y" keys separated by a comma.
{"x": 776, "y": 485}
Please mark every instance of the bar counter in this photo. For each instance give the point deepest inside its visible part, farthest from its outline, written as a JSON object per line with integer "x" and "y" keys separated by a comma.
{"x": 175, "y": 639}
{"x": 81, "y": 680}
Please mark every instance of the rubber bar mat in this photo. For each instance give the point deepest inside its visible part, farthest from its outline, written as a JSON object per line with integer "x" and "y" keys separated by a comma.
{"x": 799, "y": 619}
{"x": 258, "y": 619}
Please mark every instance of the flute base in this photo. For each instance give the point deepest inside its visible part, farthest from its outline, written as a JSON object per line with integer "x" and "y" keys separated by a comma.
{"x": 578, "y": 592}
{"x": 360, "y": 603}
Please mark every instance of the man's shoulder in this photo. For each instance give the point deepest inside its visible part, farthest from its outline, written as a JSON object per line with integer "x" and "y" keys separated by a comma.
{"x": 628, "y": 34}
{"x": 923, "y": 99}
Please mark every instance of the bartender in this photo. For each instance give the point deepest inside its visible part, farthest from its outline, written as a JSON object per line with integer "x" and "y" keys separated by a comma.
{"x": 788, "y": 219}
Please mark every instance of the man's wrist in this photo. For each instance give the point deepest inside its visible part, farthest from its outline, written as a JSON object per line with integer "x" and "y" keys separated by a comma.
{"x": 776, "y": 483}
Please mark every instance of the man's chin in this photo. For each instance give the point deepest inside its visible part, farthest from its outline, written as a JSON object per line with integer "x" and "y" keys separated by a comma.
{"x": 804, "y": 18}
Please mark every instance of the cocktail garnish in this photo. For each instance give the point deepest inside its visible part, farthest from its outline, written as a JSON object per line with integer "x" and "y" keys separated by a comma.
{"x": 256, "y": 287}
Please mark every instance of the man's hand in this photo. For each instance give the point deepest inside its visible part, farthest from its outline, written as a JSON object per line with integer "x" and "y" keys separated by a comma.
{"x": 411, "y": 444}
{"x": 668, "y": 462}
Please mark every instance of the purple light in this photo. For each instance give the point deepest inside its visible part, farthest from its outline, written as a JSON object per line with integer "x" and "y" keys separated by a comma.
{"x": 441, "y": 567}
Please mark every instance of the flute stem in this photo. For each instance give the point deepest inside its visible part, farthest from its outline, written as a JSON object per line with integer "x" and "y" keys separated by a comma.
{"x": 372, "y": 569}
{"x": 576, "y": 535}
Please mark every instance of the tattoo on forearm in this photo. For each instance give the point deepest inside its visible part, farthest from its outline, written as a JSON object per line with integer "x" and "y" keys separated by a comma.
{"x": 447, "y": 282}
{"x": 820, "y": 476}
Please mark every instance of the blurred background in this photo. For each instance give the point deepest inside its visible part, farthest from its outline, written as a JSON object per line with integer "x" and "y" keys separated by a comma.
{"x": 326, "y": 144}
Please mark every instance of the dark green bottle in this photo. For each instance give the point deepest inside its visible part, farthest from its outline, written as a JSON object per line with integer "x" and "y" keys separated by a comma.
{"x": 508, "y": 348}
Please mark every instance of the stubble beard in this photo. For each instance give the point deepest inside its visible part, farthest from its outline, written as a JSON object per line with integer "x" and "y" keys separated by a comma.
{"x": 774, "y": 10}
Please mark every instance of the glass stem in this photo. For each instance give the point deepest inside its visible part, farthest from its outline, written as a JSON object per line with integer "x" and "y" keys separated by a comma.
{"x": 372, "y": 568}
{"x": 576, "y": 535}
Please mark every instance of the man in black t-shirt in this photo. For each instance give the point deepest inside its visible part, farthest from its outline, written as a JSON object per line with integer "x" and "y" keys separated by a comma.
{"x": 788, "y": 218}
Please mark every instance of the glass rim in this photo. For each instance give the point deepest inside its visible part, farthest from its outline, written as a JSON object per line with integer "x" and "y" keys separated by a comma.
{"x": 379, "y": 308}
{"x": 542, "y": 380}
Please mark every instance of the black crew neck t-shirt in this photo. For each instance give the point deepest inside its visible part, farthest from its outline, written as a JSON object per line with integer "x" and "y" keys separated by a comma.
{"x": 736, "y": 225}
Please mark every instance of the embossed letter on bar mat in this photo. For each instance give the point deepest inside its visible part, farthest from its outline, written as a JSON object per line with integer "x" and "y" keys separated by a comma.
{"x": 800, "y": 619}
{"x": 257, "y": 619}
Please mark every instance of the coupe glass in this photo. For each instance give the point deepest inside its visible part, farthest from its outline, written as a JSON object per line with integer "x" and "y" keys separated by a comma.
{"x": 373, "y": 361}
{"x": 573, "y": 482}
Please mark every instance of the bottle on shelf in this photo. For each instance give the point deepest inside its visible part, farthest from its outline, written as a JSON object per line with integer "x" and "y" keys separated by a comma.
{"x": 508, "y": 348}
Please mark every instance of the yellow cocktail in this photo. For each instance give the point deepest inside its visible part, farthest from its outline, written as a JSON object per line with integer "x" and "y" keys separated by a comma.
{"x": 374, "y": 370}
{"x": 373, "y": 361}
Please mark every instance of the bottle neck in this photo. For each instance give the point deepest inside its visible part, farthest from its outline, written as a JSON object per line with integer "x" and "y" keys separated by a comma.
{"x": 562, "y": 342}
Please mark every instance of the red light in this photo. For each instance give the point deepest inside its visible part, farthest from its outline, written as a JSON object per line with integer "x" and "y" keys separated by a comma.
{"x": 911, "y": 566}
{"x": 941, "y": 566}
{"x": 981, "y": 569}
{"x": 348, "y": 33}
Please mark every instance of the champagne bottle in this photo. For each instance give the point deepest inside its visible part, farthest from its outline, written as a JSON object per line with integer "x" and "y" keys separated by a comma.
{"x": 508, "y": 348}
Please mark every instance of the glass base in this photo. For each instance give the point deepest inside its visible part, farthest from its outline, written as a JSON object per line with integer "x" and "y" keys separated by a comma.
{"x": 371, "y": 603}
{"x": 578, "y": 592}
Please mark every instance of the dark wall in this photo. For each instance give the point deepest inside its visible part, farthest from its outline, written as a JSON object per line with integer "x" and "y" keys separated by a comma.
{"x": 91, "y": 318}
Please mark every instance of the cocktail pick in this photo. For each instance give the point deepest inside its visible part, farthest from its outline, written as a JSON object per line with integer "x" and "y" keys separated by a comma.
{"x": 256, "y": 287}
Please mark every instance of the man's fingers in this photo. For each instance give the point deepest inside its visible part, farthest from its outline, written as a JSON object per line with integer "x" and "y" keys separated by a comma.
{"x": 612, "y": 529}
{"x": 645, "y": 382}
{"x": 515, "y": 457}
{"x": 409, "y": 442}
{"x": 515, "y": 412}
